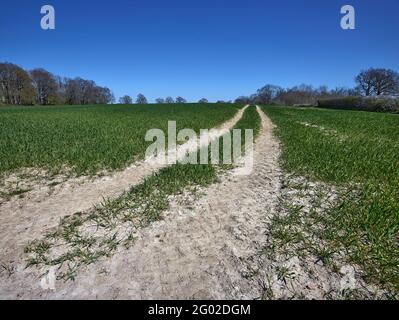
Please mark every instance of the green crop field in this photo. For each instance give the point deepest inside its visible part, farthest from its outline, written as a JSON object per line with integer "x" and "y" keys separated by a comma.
{"x": 360, "y": 152}
{"x": 356, "y": 153}
{"x": 87, "y": 139}
{"x": 136, "y": 208}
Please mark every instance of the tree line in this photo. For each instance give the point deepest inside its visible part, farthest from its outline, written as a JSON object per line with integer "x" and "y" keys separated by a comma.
{"x": 39, "y": 86}
{"x": 141, "y": 99}
{"x": 374, "y": 82}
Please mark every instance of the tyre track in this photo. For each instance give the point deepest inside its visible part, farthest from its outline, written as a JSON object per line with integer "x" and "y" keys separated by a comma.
{"x": 199, "y": 250}
{"x": 23, "y": 220}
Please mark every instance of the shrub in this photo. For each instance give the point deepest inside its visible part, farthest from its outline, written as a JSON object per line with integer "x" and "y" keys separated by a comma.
{"x": 374, "y": 104}
{"x": 304, "y": 105}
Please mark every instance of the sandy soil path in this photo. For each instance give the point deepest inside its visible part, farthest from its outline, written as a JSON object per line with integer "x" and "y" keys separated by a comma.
{"x": 199, "y": 250}
{"x": 22, "y": 220}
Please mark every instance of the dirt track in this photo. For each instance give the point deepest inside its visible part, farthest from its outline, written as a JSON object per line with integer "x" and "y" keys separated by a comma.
{"x": 209, "y": 245}
{"x": 25, "y": 219}
{"x": 197, "y": 251}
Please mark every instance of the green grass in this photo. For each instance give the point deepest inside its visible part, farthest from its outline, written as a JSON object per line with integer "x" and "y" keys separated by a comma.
{"x": 359, "y": 152}
{"x": 134, "y": 209}
{"x": 249, "y": 120}
{"x": 88, "y": 139}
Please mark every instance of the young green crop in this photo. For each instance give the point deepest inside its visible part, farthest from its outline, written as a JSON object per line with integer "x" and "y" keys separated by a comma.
{"x": 359, "y": 151}
{"x": 88, "y": 139}
{"x": 136, "y": 208}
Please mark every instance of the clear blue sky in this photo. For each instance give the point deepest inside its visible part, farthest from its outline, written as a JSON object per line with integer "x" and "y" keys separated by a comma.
{"x": 218, "y": 49}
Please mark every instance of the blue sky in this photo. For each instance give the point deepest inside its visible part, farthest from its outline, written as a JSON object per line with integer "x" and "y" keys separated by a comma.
{"x": 217, "y": 49}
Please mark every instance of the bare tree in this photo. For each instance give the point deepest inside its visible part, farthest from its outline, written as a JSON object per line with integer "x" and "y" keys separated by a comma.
{"x": 169, "y": 100}
{"x": 344, "y": 92}
{"x": 266, "y": 94}
{"x": 20, "y": 87}
{"x": 7, "y": 82}
{"x": 125, "y": 100}
{"x": 88, "y": 91}
{"x": 243, "y": 100}
{"x": 364, "y": 81}
{"x": 160, "y": 100}
{"x": 72, "y": 91}
{"x": 377, "y": 82}
{"x": 104, "y": 95}
{"x": 61, "y": 88}
{"x": 46, "y": 86}
{"x": 203, "y": 100}
{"x": 298, "y": 95}
{"x": 141, "y": 99}
{"x": 181, "y": 100}
{"x": 81, "y": 91}
{"x": 15, "y": 85}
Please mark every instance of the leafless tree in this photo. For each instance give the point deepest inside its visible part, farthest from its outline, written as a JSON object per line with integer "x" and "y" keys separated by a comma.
{"x": 181, "y": 100}
{"x": 342, "y": 92}
{"x": 81, "y": 91}
{"x": 298, "y": 95}
{"x": 46, "y": 86}
{"x": 160, "y": 100}
{"x": 125, "y": 100}
{"x": 169, "y": 100}
{"x": 364, "y": 81}
{"x": 266, "y": 94}
{"x": 104, "y": 95}
{"x": 20, "y": 87}
{"x": 15, "y": 85}
{"x": 141, "y": 99}
{"x": 243, "y": 100}
{"x": 72, "y": 91}
{"x": 203, "y": 100}
{"x": 378, "y": 82}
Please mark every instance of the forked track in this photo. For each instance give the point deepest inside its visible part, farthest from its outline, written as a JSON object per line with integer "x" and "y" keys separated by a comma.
{"x": 23, "y": 220}
{"x": 197, "y": 251}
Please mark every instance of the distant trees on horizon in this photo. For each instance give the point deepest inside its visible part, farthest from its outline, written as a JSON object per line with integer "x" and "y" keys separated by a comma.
{"x": 170, "y": 100}
{"x": 371, "y": 82}
{"x": 125, "y": 100}
{"x": 141, "y": 99}
{"x": 180, "y": 100}
{"x": 38, "y": 86}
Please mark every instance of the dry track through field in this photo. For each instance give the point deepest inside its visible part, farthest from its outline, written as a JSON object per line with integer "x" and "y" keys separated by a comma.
{"x": 212, "y": 244}
{"x": 27, "y": 218}
{"x": 199, "y": 250}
